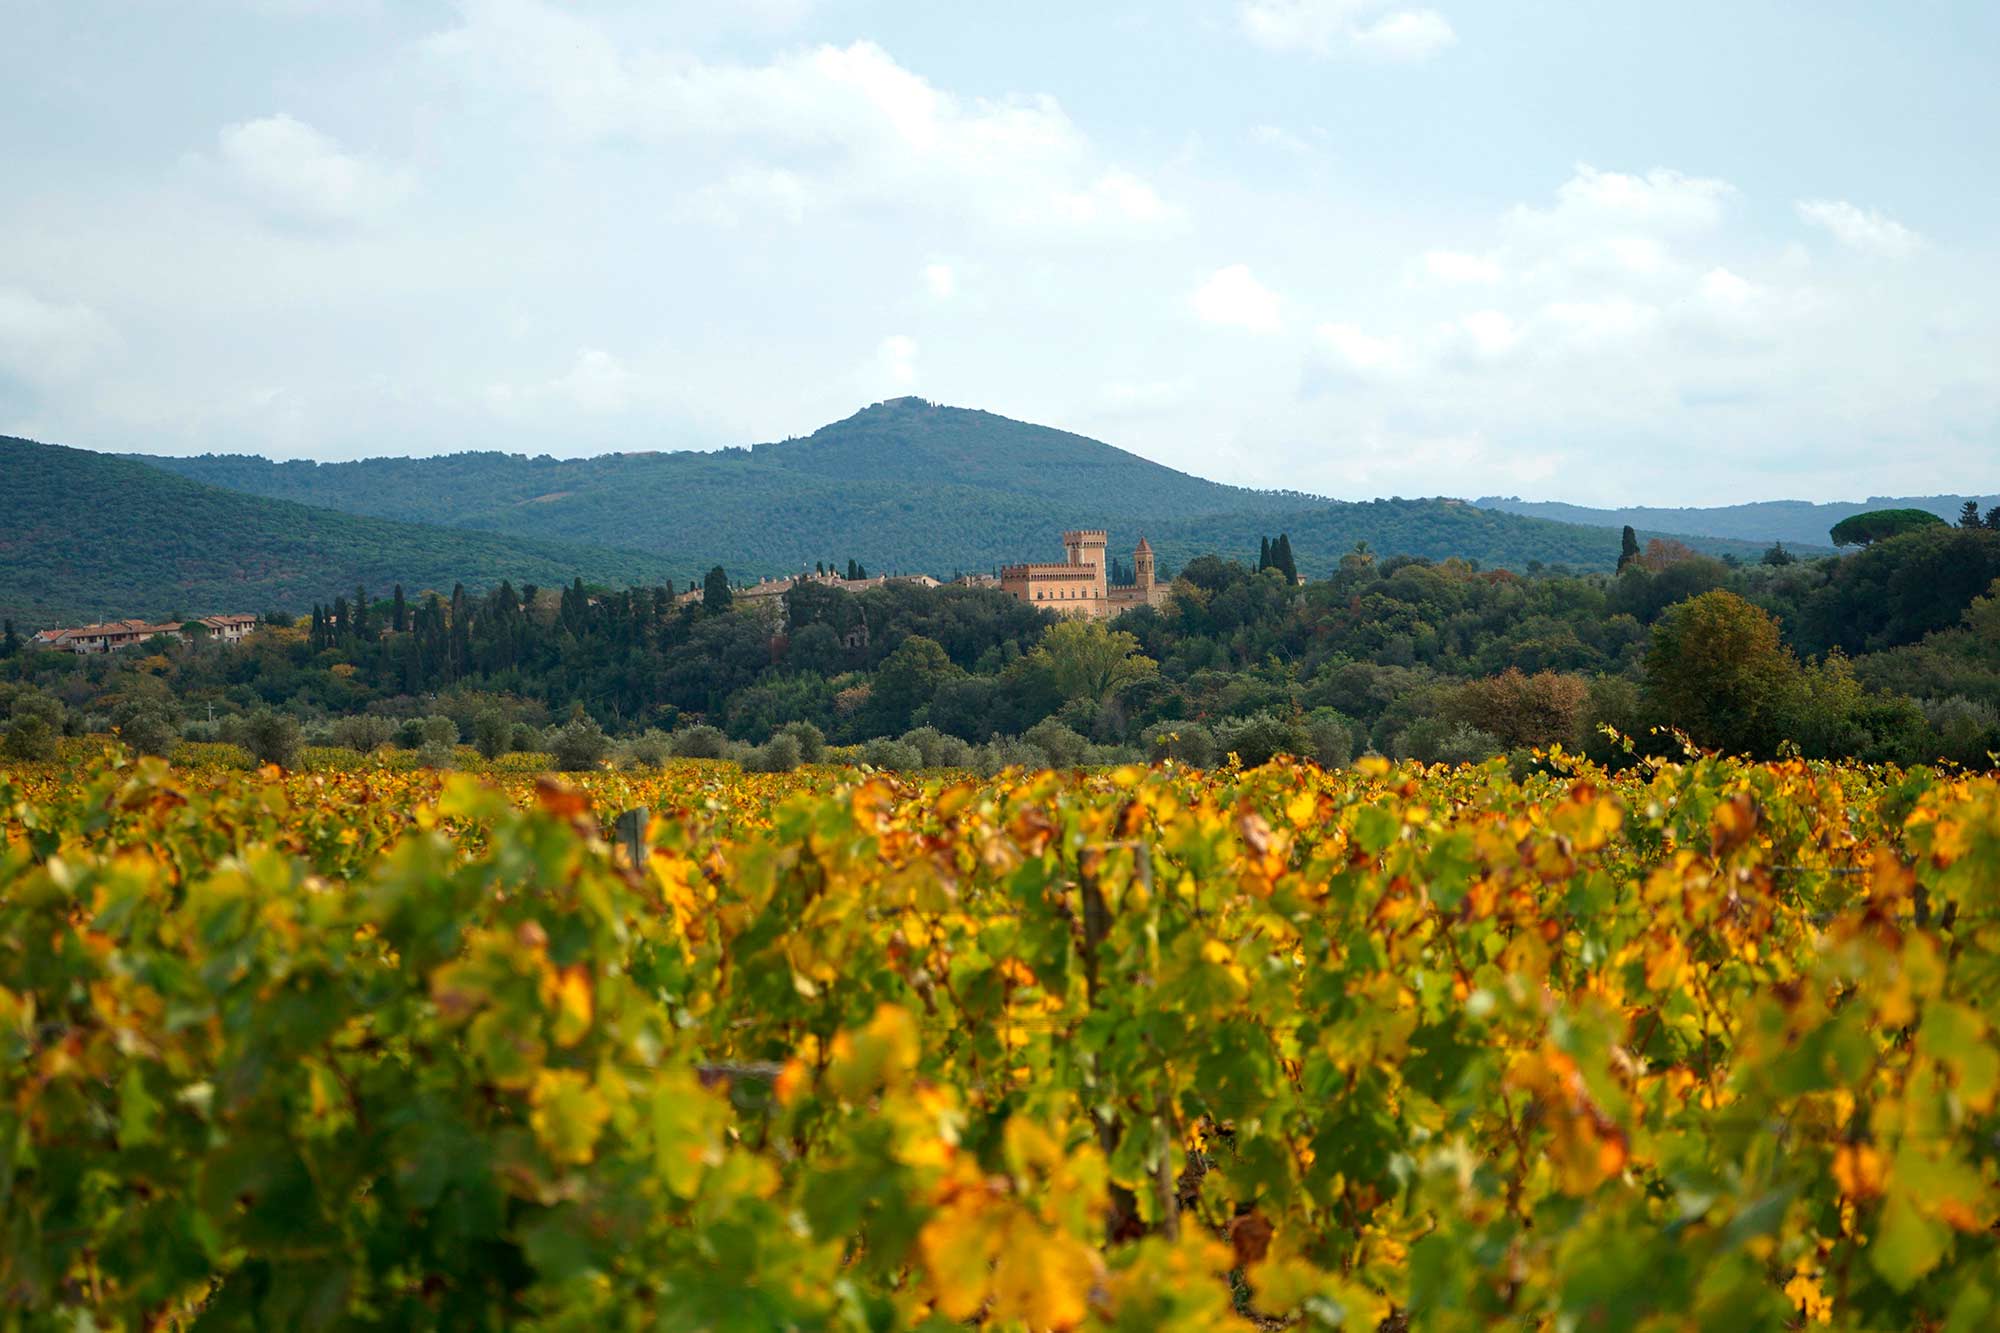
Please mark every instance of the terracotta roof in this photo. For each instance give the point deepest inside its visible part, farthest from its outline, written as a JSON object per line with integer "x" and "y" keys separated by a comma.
{"x": 133, "y": 628}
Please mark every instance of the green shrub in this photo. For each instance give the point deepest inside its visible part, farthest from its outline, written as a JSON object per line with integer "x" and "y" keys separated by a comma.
{"x": 809, "y": 738}
{"x": 938, "y": 750}
{"x": 780, "y": 754}
{"x": 29, "y": 736}
{"x": 892, "y": 756}
{"x": 364, "y": 733}
{"x": 433, "y": 730}
{"x": 1006, "y": 752}
{"x": 1262, "y": 737}
{"x": 1188, "y": 743}
{"x": 272, "y": 737}
{"x": 1967, "y": 731}
{"x": 579, "y": 744}
{"x": 30, "y": 702}
{"x": 434, "y": 754}
{"x": 1439, "y": 740}
{"x": 492, "y": 733}
{"x": 1059, "y": 746}
{"x": 147, "y": 725}
{"x": 651, "y": 749}
{"x": 1332, "y": 737}
{"x": 700, "y": 742}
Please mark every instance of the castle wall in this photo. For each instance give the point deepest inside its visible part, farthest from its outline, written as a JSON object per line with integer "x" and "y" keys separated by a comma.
{"x": 1076, "y": 586}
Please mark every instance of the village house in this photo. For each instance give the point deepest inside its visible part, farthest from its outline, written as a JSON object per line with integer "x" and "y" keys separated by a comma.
{"x": 227, "y": 629}
{"x": 1078, "y": 586}
{"x": 774, "y": 589}
{"x": 116, "y": 634}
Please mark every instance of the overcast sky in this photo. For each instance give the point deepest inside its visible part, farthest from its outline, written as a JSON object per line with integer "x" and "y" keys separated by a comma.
{"x": 1594, "y": 250}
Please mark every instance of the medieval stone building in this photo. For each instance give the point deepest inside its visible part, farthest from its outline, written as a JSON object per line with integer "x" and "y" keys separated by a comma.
{"x": 1078, "y": 586}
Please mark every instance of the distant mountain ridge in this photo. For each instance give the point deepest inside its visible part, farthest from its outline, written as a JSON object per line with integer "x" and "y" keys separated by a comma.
{"x": 904, "y": 485}
{"x": 87, "y": 536}
{"x": 1794, "y": 522}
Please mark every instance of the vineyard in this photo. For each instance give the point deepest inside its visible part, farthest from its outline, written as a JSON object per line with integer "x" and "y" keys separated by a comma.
{"x": 1701, "y": 1045}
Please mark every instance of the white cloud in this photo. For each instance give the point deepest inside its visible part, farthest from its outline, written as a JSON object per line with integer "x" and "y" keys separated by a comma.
{"x": 941, "y": 281}
{"x": 751, "y": 194}
{"x": 1113, "y": 199}
{"x": 837, "y": 124}
{"x": 1492, "y": 333}
{"x": 295, "y": 171}
{"x": 896, "y": 360}
{"x": 1622, "y": 302}
{"x": 597, "y": 382}
{"x": 1322, "y": 27}
{"x": 1861, "y": 229}
{"x": 1345, "y": 347}
{"x": 1611, "y": 318}
{"x": 1143, "y": 397}
{"x": 1661, "y": 202}
{"x": 1724, "y": 290}
{"x": 49, "y": 345}
{"x": 1233, "y": 296}
{"x": 1277, "y": 136}
{"x": 1451, "y": 266}
{"x": 1410, "y": 34}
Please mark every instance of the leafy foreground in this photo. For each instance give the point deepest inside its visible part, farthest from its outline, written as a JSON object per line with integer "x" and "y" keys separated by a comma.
{"x": 1702, "y": 1046}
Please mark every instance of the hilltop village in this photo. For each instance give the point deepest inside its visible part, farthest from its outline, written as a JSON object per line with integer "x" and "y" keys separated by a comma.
{"x": 1078, "y": 585}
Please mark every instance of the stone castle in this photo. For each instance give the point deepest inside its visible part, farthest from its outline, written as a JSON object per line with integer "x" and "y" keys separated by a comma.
{"x": 1078, "y": 585}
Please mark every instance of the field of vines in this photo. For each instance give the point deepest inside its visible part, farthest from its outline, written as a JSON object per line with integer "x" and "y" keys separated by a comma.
{"x": 1702, "y": 1045}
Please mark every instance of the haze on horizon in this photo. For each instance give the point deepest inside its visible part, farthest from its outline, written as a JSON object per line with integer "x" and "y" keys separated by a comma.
{"x": 1610, "y": 253}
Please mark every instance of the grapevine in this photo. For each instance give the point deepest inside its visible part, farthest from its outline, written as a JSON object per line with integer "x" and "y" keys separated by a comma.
{"x": 1697, "y": 1045}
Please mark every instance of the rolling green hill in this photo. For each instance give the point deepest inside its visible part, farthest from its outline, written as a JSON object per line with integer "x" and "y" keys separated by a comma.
{"x": 904, "y": 485}
{"x": 85, "y": 536}
{"x": 1800, "y": 523}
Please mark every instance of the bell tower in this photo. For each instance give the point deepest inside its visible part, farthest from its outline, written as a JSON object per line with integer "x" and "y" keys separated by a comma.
{"x": 1142, "y": 566}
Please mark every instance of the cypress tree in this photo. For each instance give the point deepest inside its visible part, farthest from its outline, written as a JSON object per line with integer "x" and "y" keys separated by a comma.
{"x": 715, "y": 593}
{"x": 1263, "y": 554}
{"x": 1281, "y": 556}
{"x": 399, "y": 612}
{"x": 459, "y": 653}
{"x": 1628, "y": 548}
{"x": 10, "y": 642}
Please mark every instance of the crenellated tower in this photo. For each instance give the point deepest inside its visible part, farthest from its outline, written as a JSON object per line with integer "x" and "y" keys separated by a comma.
{"x": 1086, "y": 547}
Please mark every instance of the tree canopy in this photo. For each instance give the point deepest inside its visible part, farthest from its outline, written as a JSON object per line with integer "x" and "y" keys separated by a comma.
{"x": 1879, "y": 524}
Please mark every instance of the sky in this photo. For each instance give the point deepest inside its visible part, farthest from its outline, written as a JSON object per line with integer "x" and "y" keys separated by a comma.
{"x": 1604, "y": 251}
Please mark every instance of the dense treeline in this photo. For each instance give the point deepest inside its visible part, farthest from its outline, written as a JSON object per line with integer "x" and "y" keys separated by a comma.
{"x": 1889, "y": 654}
{"x": 87, "y": 536}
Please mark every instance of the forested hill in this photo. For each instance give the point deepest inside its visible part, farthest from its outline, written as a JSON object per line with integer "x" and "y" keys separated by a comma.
{"x": 85, "y": 536}
{"x": 1794, "y": 522}
{"x": 904, "y": 485}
